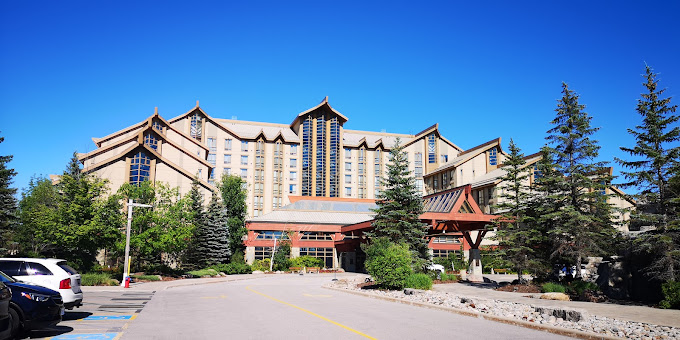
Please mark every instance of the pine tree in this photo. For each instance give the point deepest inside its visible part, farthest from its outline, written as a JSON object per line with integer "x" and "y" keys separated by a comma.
{"x": 655, "y": 163}
{"x": 8, "y": 203}
{"x": 582, "y": 223}
{"x": 215, "y": 236}
{"x": 234, "y": 196}
{"x": 195, "y": 253}
{"x": 517, "y": 235}
{"x": 400, "y": 206}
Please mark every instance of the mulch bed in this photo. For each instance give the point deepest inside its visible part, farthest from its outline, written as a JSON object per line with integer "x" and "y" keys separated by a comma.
{"x": 520, "y": 288}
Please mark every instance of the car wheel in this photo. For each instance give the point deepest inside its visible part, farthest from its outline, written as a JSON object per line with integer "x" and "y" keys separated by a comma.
{"x": 15, "y": 323}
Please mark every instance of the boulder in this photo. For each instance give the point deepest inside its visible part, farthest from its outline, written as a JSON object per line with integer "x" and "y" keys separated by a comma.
{"x": 555, "y": 296}
{"x": 567, "y": 314}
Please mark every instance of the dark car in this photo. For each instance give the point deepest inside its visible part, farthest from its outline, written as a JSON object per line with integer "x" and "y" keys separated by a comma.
{"x": 32, "y": 307}
{"x": 5, "y": 322}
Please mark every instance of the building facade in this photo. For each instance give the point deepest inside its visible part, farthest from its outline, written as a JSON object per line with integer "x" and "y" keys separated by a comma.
{"x": 313, "y": 156}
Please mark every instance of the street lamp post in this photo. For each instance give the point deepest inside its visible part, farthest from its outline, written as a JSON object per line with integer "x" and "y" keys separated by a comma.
{"x": 127, "y": 237}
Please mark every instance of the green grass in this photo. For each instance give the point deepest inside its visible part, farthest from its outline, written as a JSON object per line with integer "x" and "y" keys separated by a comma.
{"x": 203, "y": 272}
{"x": 419, "y": 281}
{"x": 551, "y": 287}
{"x": 146, "y": 277}
{"x": 97, "y": 279}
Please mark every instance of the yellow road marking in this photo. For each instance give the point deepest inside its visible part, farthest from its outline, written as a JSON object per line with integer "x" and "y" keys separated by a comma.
{"x": 214, "y": 297}
{"x": 311, "y": 313}
{"x": 310, "y": 295}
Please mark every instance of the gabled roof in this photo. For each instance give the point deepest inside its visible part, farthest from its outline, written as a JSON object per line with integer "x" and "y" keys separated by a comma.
{"x": 321, "y": 210}
{"x": 434, "y": 128}
{"x": 455, "y": 206}
{"x": 251, "y": 130}
{"x": 493, "y": 177}
{"x": 468, "y": 155}
{"x": 324, "y": 103}
{"x": 140, "y": 140}
{"x": 354, "y": 138}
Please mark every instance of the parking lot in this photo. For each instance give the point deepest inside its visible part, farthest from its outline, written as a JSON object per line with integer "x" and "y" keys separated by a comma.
{"x": 105, "y": 314}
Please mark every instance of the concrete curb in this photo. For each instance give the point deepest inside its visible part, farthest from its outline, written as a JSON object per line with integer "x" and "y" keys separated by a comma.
{"x": 526, "y": 324}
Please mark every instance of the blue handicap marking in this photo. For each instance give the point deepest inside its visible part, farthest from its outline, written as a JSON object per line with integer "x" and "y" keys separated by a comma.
{"x": 94, "y": 336}
{"x": 108, "y": 317}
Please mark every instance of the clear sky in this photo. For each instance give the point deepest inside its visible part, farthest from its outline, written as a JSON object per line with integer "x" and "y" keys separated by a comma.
{"x": 70, "y": 71}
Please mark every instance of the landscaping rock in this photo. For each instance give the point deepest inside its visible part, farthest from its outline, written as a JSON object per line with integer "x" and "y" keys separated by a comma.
{"x": 568, "y": 314}
{"x": 555, "y": 296}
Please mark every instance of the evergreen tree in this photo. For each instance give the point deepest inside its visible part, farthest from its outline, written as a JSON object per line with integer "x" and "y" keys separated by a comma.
{"x": 651, "y": 171}
{"x": 400, "y": 206}
{"x": 234, "y": 196}
{"x": 582, "y": 223}
{"x": 517, "y": 234}
{"x": 195, "y": 255}
{"x": 214, "y": 241}
{"x": 8, "y": 203}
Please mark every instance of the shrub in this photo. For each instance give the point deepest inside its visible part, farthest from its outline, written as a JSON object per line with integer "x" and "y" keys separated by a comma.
{"x": 388, "y": 263}
{"x": 305, "y": 261}
{"x": 419, "y": 281}
{"x": 281, "y": 256}
{"x": 448, "y": 277}
{"x": 146, "y": 277}
{"x": 97, "y": 279}
{"x": 446, "y": 262}
{"x": 232, "y": 268}
{"x": 261, "y": 265}
{"x": 203, "y": 272}
{"x": 671, "y": 295}
{"x": 578, "y": 287}
{"x": 553, "y": 287}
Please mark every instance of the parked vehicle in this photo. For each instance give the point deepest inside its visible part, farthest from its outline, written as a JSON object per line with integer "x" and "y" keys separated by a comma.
{"x": 436, "y": 267}
{"x": 5, "y": 322}
{"x": 31, "y": 306}
{"x": 54, "y": 274}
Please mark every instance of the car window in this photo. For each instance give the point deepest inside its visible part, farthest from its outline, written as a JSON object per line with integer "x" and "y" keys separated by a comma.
{"x": 10, "y": 268}
{"x": 67, "y": 268}
{"x": 5, "y": 278}
{"x": 33, "y": 268}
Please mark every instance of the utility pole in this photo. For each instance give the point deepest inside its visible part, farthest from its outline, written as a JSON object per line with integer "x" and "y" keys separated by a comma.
{"x": 127, "y": 237}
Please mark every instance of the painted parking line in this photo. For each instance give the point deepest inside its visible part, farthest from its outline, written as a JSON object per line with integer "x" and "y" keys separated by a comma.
{"x": 311, "y": 313}
{"x": 92, "y": 336}
{"x": 109, "y": 317}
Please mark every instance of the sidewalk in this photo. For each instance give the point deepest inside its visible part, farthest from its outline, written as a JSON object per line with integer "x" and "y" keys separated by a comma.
{"x": 656, "y": 316}
{"x": 160, "y": 285}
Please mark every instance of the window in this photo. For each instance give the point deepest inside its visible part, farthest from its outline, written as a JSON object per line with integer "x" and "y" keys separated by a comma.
{"x": 293, "y": 149}
{"x": 196, "y": 129}
{"x": 13, "y": 268}
{"x": 212, "y": 144}
{"x": 316, "y": 236}
{"x": 293, "y": 162}
{"x": 419, "y": 184}
{"x": 444, "y": 253}
{"x": 348, "y": 179}
{"x": 377, "y": 169}
{"x": 33, "y": 268}
{"x": 348, "y": 153}
{"x": 271, "y": 234}
{"x": 445, "y": 158}
{"x": 447, "y": 239}
{"x": 493, "y": 157}
{"x": 262, "y": 253}
{"x": 140, "y": 168}
{"x": 325, "y": 254}
{"x": 259, "y": 161}
{"x": 211, "y": 158}
{"x": 293, "y": 175}
{"x": 276, "y": 202}
{"x": 227, "y": 159}
{"x": 151, "y": 141}
{"x": 418, "y": 165}
{"x": 244, "y": 173}
{"x": 200, "y": 173}
{"x": 226, "y": 171}
{"x": 537, "y": 173}
{"x": 157, "y": 125}
{"x": 244, "y": 145}
{"x": 211, "y": 178}
{"x": 377, "y": 156}
{"x": 348, "y": 191}
{"x": 444, "y": 180}
{"x": 292, "y": 188}
{"x": 348, "y": 166}
{"x": 227, "y": 144}
{"x": 431, "y": 149}
{"x": 244, "y": 160}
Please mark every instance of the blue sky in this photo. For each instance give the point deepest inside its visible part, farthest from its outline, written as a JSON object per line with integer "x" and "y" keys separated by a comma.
{"x": 70, "y": 71}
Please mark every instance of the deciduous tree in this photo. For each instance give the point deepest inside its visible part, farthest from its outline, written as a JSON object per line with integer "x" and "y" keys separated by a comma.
{"x": 233, "y": 191}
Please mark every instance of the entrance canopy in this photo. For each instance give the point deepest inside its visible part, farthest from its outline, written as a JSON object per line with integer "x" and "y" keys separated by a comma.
{"x": 454, "y": 210}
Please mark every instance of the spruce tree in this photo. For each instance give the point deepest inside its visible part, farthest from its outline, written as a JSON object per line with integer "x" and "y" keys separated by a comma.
{"x": 195, "y": 252}
{"x": 583, "y": 222}
{"x": 214, "y": 241}
{"x": 517, "y": 235}
{"x": 8, "y": 202}
{"x": 654, "y": 164}
{"x": 400, "y": 206}
{"x": 234, "y": 196}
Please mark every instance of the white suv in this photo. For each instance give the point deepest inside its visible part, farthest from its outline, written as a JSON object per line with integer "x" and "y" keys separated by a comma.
{"x": 54, "y": 274}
